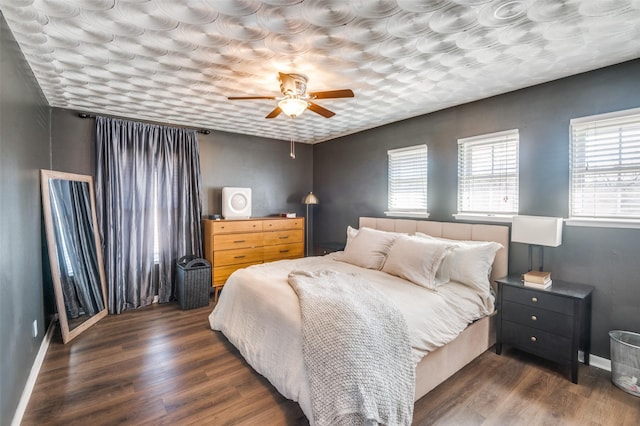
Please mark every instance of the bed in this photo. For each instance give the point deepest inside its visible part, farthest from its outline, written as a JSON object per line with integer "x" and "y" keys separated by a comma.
{"x": 259, "y": 310}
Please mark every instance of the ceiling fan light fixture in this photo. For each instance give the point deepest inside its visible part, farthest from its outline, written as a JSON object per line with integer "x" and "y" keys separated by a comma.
{"x": 293, "y": 107}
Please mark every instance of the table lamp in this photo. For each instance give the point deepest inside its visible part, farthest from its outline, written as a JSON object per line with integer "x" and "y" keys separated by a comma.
{"x": 537, "y": 231}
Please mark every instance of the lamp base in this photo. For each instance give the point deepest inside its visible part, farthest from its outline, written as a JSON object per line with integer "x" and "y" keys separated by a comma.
{"x": 306, "y": 230}
{"x": 540, "y": 257}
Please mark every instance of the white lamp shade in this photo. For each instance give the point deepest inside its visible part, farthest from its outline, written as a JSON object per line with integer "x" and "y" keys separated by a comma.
{"x": 537, "y": 230}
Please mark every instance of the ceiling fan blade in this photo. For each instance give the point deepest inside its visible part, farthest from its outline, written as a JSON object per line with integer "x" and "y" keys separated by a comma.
{"x": 235, "y": 98}
{"x": 321, "y": 110}
{"x": 273, "y": 114}
{"x": 329, "y": 94}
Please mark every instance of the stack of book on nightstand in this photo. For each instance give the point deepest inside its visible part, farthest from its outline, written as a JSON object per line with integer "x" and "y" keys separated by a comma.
{"x": 537, "y": 279}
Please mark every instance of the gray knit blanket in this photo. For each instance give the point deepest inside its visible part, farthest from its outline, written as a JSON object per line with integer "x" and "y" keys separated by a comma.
{"x": 356, "y": 351}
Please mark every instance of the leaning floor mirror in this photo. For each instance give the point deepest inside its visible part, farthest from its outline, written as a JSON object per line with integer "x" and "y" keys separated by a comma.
{"x": 75, "y": 253}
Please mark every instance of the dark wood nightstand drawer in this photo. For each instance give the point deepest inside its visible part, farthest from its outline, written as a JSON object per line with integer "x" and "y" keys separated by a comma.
{"x": 537, "y": 342}
{"x": 533, "y": 316}
{"x": 540, "y": 299}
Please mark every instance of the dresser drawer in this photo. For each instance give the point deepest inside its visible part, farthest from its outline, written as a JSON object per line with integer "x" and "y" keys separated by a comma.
{"x": 283, "y": 251}
{"x": 236, "y": 241}
{"x": 537, "y": 342}
{"x": 540, "y": 299}
{"x": 283, "y": 237}
{"x": 231, "y": 226}
{"x": 282, "y": 224}
{"x": 234, "y": 257}
{"x": 533, "y": 316}
{"x": 221, "y": 273}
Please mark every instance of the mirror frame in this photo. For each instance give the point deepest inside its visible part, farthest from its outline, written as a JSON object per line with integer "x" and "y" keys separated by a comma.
{"x": 45, "y": 175}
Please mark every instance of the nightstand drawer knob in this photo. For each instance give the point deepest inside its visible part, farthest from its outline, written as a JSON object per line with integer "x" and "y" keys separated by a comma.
{"x": 534, "y": 299}
{"x": 533, "y": 338}
{"x": 534, "y": 318}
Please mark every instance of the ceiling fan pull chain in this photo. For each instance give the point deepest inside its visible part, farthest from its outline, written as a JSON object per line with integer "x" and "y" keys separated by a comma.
{"x": 292, "y": 149}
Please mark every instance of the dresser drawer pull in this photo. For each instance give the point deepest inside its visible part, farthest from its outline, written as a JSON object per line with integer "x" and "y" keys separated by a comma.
{"x": 534, "y": 318}
{"x": 284, "y": 251}
{"x": 240, "y": 257}
{"x": 533, "y": 338}
{"x": 239, "y": 241}
{"x": 534, "y": 299}
{"x": 284, "y": 237}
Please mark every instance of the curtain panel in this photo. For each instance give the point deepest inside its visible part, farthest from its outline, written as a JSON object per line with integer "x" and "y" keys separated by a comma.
{"x": 149, "y": 207}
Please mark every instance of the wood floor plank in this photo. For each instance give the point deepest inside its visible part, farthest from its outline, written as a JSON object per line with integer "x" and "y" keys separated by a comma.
{"x": 164, "y": 366}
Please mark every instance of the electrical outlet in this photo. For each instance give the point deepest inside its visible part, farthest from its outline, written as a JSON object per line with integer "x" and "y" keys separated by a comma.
{"x": 35, "y": 328}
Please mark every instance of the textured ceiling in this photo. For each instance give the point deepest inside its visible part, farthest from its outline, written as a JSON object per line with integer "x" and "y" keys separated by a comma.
{"x": 176, "y": 61}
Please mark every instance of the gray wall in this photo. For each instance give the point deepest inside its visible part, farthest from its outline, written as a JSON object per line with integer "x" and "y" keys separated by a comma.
{"x": 277, "y": 182}
{"x": 24, "y": 149}
{"x": 350, "y": 177}
{"x": 73, "y": 147}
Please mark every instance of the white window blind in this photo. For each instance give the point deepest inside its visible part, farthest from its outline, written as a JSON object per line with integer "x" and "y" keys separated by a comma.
{"x": 408, "y": 181}
{"x": 488, "y": 173}
{"x": 605, "y": 166}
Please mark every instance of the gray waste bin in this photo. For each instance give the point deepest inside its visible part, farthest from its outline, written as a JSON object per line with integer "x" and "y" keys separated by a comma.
{"x": 625, "y": 361}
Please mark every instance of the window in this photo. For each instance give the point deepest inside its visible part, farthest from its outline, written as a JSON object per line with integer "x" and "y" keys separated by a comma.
{"x": 605, "y": 167}
{"x": 408, "y": 182}
{"x": 488, "y": 174}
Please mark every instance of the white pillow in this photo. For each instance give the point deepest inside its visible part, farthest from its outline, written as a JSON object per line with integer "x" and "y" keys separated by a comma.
{"x": 351, "y": 232}
{"x": 470, "y": 264}
{"x": 368, "y": 248}
{"x": 443, "y": 273}
{"x": 416, "y": 260}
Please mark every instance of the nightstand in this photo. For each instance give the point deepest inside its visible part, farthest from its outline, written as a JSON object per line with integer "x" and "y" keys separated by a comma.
{"x": 320, "y": 249}
{"x": 552, "y": 323}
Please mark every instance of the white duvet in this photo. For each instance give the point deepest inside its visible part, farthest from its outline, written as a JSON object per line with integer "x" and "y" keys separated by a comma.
{"x": 259, "y": 313}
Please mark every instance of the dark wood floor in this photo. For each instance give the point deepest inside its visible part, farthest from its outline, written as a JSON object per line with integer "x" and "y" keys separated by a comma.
{"x": 160, "y": 365}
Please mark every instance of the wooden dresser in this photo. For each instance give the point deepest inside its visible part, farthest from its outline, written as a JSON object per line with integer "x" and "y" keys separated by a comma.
{"x": 235, "y": 244}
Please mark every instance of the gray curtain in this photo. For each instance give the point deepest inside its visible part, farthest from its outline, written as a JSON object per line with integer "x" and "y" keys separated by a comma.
{"x": 74, "y": 236}
{"x": 148, "y": 203}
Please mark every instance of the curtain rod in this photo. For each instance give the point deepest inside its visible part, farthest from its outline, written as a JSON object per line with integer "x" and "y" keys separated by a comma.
{"x": 86, "y": 115}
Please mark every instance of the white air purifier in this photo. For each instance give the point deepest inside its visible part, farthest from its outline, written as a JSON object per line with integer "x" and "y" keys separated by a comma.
{"x": 236, "y": 203}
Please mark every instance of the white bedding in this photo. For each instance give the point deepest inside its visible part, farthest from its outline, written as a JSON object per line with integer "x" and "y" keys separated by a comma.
{"x": 259, "y": 313}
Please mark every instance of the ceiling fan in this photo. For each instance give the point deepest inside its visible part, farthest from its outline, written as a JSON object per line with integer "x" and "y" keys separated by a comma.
{"x": 296, "y": 100}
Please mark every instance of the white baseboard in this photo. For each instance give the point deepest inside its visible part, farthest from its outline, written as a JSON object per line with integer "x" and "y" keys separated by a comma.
{"x": 33, "y": 375}
{"x": 596, "y": 361}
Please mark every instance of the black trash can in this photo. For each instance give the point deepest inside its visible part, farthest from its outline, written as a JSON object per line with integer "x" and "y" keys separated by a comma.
{"x": 193, "y": 278}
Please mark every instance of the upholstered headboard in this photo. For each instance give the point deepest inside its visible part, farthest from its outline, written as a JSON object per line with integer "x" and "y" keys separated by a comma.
{"x": 453, "y": 231}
